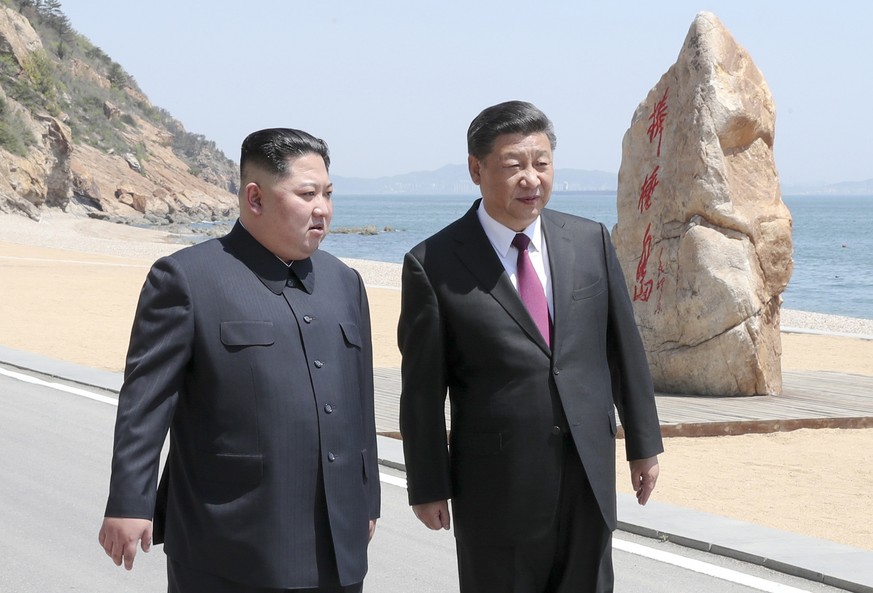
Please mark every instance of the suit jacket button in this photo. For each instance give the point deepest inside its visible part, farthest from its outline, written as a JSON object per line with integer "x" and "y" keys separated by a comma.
{"x": 556, "y": 371}
{"x": 556, "y": 430}
{"x": 328, "y": 408}
{"x": 318, "y": 364}
{"x": 331, "y": 457}
{"x": 307, "y": 318}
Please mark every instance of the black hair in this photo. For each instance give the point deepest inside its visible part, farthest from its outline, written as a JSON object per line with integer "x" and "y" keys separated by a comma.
{"x": 273, "y": 147}
{"x": 511, "y": 117}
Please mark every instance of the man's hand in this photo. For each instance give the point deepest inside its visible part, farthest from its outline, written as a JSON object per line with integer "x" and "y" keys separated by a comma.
{"x": 434, "y": 514}
{"x": 119, "y": 536}
{"x": 644, "y": 475}
{"x": 372, "y": 529}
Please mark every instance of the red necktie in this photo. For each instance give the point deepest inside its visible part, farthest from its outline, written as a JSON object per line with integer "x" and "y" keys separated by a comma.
{"x": 530, "y": 289}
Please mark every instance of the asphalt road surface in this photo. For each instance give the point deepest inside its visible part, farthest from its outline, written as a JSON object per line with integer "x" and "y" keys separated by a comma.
{"x": 55, "y": 450}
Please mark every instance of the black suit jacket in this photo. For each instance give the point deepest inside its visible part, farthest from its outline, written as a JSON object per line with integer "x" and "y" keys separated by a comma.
{"x": 267, "y": 391}
{"x": 463, "y": 328}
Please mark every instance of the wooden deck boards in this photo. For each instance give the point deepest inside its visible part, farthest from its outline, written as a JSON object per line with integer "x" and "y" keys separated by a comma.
{"x": 809, "y": 400}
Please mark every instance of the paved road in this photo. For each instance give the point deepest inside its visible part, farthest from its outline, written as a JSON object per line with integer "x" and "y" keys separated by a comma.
{"x": 55, "y": 449}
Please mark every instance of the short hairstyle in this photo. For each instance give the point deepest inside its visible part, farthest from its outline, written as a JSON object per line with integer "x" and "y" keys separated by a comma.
{"x": 511, "y": 117}
{"x": 273, "y": 147}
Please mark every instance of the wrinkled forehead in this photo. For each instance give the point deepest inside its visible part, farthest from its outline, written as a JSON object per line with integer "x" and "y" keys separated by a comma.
{"x": 516, "y": 144}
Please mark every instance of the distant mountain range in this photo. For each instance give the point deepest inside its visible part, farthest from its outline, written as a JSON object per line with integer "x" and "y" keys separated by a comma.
{"x": 454, "y": 179}
{"x": 844, "y": 188}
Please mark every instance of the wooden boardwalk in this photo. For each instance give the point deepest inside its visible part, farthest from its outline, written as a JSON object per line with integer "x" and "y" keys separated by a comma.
{"x": 809, "y": 400}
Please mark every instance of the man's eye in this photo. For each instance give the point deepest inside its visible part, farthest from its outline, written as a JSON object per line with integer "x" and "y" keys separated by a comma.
{"x": 328, "y": 194}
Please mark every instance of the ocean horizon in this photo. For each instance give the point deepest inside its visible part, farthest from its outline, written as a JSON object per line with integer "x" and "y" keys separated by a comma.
{"x": 833, "y": 246}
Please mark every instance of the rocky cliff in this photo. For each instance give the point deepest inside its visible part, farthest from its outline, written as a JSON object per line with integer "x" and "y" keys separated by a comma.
{"x": 77, "y": 134}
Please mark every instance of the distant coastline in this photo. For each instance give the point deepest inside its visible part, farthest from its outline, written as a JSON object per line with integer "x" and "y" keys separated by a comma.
{"x": 455, "y": 180}
{"x": 583, "y": 192}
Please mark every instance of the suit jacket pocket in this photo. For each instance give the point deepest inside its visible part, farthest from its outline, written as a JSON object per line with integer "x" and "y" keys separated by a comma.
{"x": 588, "y": 291}
{"x": 231, "y": 468}
{"x": 352, "y": 334}
{"x": 247, "y": 333}
{"x": 480, "y": 443}
{"x": 364, "y": 462}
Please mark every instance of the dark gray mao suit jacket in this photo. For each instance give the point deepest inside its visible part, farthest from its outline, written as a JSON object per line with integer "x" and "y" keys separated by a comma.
{"x": 267, "y": 391}
{"x": 463, "y": 328}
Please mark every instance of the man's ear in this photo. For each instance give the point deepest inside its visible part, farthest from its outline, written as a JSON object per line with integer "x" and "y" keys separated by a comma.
{"x": 474, "y": 165}
{"x": 253, "y": 196}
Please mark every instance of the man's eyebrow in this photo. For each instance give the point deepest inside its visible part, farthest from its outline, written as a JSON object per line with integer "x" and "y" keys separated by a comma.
{"x": 514, "y": 154}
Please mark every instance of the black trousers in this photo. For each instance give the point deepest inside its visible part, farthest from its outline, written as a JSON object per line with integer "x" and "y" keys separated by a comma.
{"x": 575, "y": 556}
{"x": 184, "y": 579}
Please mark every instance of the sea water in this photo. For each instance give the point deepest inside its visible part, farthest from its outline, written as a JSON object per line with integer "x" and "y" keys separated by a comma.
{"x": 832, "y": 235}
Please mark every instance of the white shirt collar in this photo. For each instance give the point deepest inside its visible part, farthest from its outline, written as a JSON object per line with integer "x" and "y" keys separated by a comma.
{"x": 501, "y": 236}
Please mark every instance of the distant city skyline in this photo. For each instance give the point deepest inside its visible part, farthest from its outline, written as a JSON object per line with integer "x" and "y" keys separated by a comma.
{"x": 393, "y": 86}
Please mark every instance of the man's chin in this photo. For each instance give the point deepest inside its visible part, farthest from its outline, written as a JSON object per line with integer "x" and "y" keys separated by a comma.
{"x": 524, "y": 219}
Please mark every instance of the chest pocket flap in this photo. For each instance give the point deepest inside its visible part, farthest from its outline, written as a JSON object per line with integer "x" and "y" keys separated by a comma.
{"x": 247, "y": 333}
{"x": 352, "y": 334}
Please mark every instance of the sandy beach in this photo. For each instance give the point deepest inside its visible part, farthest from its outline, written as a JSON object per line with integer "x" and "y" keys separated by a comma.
{"x": 69, "y": 286}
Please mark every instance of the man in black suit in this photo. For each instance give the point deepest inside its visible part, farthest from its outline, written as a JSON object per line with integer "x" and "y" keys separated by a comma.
{"x": 533, "y": 337}
{"x": 254, "y": 351}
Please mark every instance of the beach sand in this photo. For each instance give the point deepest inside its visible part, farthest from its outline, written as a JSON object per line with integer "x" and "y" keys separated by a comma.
{"x": 69, "y": 286}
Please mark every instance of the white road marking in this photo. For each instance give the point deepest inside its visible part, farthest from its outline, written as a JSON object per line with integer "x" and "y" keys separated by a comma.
{"x": 718, "y": 572}
{"x": 698, "y": 566}
{"x": 60, "y": 387}
{"x": 393, "y": 480}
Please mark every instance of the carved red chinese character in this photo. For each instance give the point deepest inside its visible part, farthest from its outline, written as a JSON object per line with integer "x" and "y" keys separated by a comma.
{"x": 643, "y": 291}
{"x": 643, "y": 287}
{"x": 659, "y": 114}
{"x": 648, "y": 189}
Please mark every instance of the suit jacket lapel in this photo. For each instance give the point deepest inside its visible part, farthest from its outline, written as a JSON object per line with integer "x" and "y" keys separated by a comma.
{"x": 562, "y": 258}
{"x": 477, "y": 255}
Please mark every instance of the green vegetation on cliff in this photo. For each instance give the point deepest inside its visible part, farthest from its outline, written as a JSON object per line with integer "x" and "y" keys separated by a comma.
{"x": 76, "y": 81}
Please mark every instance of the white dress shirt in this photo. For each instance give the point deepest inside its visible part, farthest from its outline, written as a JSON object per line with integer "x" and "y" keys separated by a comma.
{"x": 501, "y": 239}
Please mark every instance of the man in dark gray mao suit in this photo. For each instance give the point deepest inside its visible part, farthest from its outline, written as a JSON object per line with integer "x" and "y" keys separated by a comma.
{"x": 254, "y": 351}
{"x": 534, "y": 385}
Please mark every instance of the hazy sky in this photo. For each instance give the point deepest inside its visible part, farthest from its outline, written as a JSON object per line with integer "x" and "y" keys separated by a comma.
{"x": 392, "y": 86}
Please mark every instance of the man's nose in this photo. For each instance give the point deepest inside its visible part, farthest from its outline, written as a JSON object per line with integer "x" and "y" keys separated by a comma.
{"x": 320, "y": 206}
{"x": 529, "y": 177}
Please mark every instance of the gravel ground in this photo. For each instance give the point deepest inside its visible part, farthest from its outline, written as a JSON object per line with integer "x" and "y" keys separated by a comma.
{"x": 819, "y": 322}
{"x": 377, "y": 273}
{"x": 63, "y": 231}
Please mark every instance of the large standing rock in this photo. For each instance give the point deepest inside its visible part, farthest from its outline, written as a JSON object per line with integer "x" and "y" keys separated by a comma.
{"x": 702, "y": 233}
{"x": 59, "y": 148}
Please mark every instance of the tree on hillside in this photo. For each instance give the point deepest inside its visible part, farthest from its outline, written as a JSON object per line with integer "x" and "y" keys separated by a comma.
{"x": 22, "y": 4}
{"x": 51, "y": 13}
{"x": 28, "y": 8}
{"x": 48, "y": 12}
{"x": 118, "y": 78}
